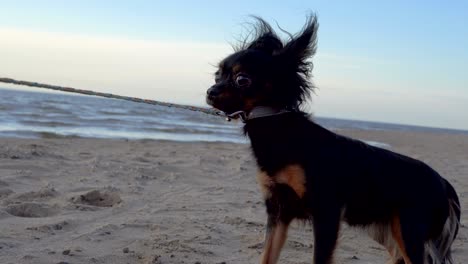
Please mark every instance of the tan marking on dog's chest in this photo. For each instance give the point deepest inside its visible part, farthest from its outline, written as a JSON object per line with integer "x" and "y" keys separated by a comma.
{"x": 291, "y": 175}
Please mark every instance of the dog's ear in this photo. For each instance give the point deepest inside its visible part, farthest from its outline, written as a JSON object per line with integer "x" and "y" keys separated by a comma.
{"x": 268, "y": 43}
{"x": 301, "y": 47}
{"x": 294, "y": 67}
{"x": 264, "y": 37}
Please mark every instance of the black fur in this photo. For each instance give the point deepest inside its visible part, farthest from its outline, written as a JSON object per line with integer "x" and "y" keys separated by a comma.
{"x": 345, "y": 179}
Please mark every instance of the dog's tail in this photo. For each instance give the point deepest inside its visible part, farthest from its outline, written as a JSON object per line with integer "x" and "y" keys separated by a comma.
{"x": 438, "y": 250}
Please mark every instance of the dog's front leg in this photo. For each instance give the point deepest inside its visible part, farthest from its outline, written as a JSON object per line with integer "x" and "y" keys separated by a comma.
{"x": 326, "y": 227}
{"x": 276, "y": 233}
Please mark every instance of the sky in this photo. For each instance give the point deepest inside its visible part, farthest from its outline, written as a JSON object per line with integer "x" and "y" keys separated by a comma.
{"x": 400, "y": 61}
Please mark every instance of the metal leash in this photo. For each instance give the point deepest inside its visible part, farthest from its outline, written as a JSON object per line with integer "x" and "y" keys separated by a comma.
{"x": 209, "y": 111}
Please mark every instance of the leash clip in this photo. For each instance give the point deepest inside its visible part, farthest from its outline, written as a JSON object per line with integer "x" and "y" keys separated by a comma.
{"x": 240, "y": 114}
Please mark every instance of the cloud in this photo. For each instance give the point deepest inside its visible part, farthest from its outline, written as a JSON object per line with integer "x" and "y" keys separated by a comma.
{"x": 174, "y": 71}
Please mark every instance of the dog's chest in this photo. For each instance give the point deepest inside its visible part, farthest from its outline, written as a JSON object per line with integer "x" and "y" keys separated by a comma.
{"x": 292, "y": 175}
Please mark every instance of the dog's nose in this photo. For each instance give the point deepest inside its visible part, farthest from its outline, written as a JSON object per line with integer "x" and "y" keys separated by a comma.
{"x": 211, "y": 92}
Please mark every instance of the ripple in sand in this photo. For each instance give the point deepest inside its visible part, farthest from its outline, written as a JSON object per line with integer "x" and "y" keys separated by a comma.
{"x": 49, "y": 228}
{"x": 43, "y": 194}
{"x": 5, "y": 192}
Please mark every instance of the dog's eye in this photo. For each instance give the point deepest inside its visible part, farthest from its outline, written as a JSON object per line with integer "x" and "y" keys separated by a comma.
{"x": 217, "y": 77}
{"x": 243, "y": 81}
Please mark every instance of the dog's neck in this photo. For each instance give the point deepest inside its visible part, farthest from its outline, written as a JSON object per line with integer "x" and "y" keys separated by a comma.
{"x": 264, "y": 111}
{"x": 258, "y": 112}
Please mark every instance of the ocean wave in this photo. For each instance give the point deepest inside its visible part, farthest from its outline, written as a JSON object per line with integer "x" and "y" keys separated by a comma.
{"x": 378, "y": 144}
{"x": 48, "y": 123}
{"x": 33, "y": 114}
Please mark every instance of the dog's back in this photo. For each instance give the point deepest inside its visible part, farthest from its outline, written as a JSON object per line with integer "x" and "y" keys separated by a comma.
{"x": 392, "y": 196}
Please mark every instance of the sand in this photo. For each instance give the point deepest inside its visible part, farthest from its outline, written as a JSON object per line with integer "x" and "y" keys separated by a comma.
{"x": 117, "y": 201}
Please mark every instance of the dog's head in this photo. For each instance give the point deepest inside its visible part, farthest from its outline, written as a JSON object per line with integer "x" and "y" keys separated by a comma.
{"x": 266, "y": 71}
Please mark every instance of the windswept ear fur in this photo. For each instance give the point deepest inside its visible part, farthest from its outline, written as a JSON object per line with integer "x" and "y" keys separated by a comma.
{"x": 301, "y": 47}
{"x": 262, "y": 37}
{"x": 295, "y": 66}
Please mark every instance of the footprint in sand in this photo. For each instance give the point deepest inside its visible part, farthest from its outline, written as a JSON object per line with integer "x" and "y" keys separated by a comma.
{"x": 98, "y": 198}
{"x": 31, "y": 210}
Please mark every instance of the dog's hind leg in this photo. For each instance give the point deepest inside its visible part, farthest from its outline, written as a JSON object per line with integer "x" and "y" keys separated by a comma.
{"x": 394, "y": 252}
{"x": 382, "y": 234}
{"x": 395, "y": 256}
{"x": 276, "y": 233}
{"x": 409, "y": 233}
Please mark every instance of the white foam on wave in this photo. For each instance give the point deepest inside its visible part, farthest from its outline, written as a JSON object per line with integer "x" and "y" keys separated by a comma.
{"x": 378, "y": 144}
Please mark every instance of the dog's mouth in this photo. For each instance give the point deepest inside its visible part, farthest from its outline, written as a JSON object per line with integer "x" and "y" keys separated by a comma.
{"x": 210, "y": 100}
{"x": 221, "y": 103}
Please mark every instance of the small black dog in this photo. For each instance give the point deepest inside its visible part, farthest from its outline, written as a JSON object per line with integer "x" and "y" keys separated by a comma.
{"x": 307, "y": 172}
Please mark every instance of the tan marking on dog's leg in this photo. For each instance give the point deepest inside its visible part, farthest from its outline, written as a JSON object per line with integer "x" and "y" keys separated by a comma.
{"x": 294, "y": 177}
{"x": 394, "y": 253}
{"x": 382, "y": 234}
{"x": 265, "y": 182}
{"x": 274, "y": 241}
{"x": 397, "y": 236}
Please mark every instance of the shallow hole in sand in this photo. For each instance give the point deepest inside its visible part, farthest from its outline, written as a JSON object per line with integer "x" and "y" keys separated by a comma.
{"x": 98, "y": 198}
{"x": 31, "y": 210}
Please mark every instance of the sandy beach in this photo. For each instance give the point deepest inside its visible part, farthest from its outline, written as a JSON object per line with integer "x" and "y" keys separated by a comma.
{"x": 77, "y": 200}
